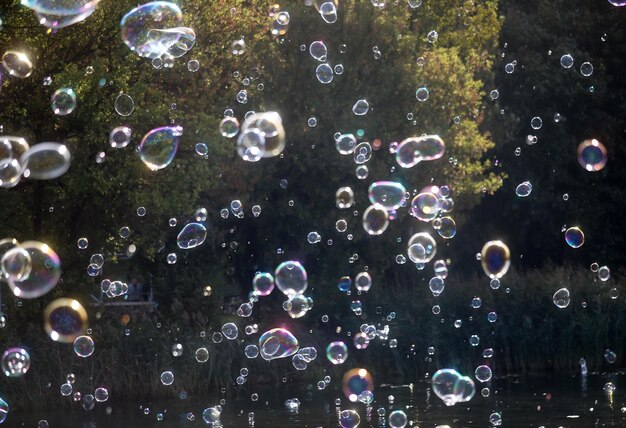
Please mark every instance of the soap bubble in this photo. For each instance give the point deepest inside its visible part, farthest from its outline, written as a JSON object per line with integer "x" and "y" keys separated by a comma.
{"x": 10, "y": 172}
{"x": 495, "y": 259}
{"x": 355, "y": 382}
{"x": 230, "y": 331}
{"x": 277, "y": 343}
{"x": 483, "y": 373}
{"x": 192, "y": 235}
{"x": 388, "y": 194}
{"x": 65, "y": 320}
{"x": 124, "y": 105}
{"x": 604, "y": 273}
{"x": 297, "y": 306}
{"x": 425, "y": 206}
{"x": 15, "y": 362}
{"x": 413, "y": 150}
{"x": 291, "y": 278}
{"x": 344, "y": 197}
{"x": 422, "y": 94}
{"x": 328, "y": 12}
{"x": 17, "y": 64}
{"x": 337, "y": 352}
{"x": 451, "y": 387}
{"x": 524, "y": 189}
{"x": 536, "y": 123}
{"x": 201, "y": 149}
{"x": 360, "y": 108}
{"x": 46, "y": 161}
{"x": 375, "y": 219}
{"x": 324, "y": 73}
{"x": 318, "y": 50}
{"x": 586, "y": 69}
{"x": 63, "y": 101}
{"x": 45, "y": 271}
{"x": 238, "y": 47}
{"x": 592, "y": 155}
{"x": 618, "y": 3}
{"x": 421, "y": 248}
{"x": 158, "y": 147}
{"x": 561, "y": 298}
{"x": 363, "y": 281}
{"x": 263, "y": 283}
{"x": 4, "y": 410}
{"x": 212, "y": 415}
{"x": 567, "y": 61}
{"x": 101, "y": 395}
{"x": 362, "y": 153}
{"x": 16, "y": 264}
{"x": 229, "y": 127}
{"x": 84, "y": 346}
{"x": 167, "y": 378}
{"x": 345, "y": 144}
{"x": 397, "y": 419}
{"x": 261, "y": 136}
{"x": 56, "y": 20}
{"x": 349, "y": 419}
{"x": 574, "y": 237}
{"x": 120, "y": 137}
{"x": 446, "y": 227}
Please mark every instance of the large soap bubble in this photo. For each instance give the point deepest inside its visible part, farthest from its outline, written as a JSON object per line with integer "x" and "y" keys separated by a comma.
{"x": 277, "y": 343}
{"x": 388, "y": 194}
{"x": 46, "y": 161}
{"x": 159, "y": 146}
{"x": 261, "y": 136}
{"x": 45, "y": 271}
{"x": 413, "y": 150}
{"x": 291, "y": 278}
{"x": 65, "y": 320}
{"x": 452, "y": 387}
{"x": 191, "y": 236}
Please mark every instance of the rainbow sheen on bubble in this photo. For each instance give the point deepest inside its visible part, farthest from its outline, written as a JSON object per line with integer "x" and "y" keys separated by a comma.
{"x": 263, "y": 283}
{"x": 375, "y": 220}
{"x": 592, "y": 155}
{"x": 451, "y": 387}
{"x": 15, "y": 362}
{"x": 425, "y": 206}
{"x": 65, "y": 319}
{"x": 574, "y": 237}
{"x": 159, "y": 146}
{"x": 355, "y": 382}
{"x": 421, "y": 248}
{"x": 84, "y": 346}
{"x": 337, "y": 352}
{"x": 45, "y": 271}
{"x": 277, "y": 343}
{"x": 388, "y": 194}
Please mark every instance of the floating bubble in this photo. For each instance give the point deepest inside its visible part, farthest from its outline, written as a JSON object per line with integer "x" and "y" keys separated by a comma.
{"x": 586, "y": 69}
{"x": 375, "y": 219}
{"x": 212, "y": 415}
{"x": 413, "y": 150}
{"x": 4, "y": 410}
{"x": 229, "y": 127}
{"x": 524, "y": 189}
{"x": 101, "y": 395}
{"x": 16, "y": 264}
{"x": 297, "y": 306}
{"x": 574, "y": 237}
{"x": 60, "y": 7}
{"x": 63, "y": 101}
{"x": 355, "y": 382}
{"x": 120, "y": 137}
{"x": 124, "y": 105}
{"x": 363, "y": 281}
{"x": 12, "y": 147}
{"x": 483, "y": 373}
{"x": 345, "y": 144}
{"x": 536, "y": 123}
{"x": 604, "y": 273}
{"x": 362, "y": 153}
{"x": 230, "y": 331}
{"x": 65, "y": 320}
{"x": 318, "y": 50}
{"x": 397, "y": 418}
{"x": 567, "y": 61}
{"x": 349, "y": 419}
{"x": 328, "y": 12}
{"x": 446, "y": 227}
{"x": 17, "y": 64}
{"x": 618, "y": 3}
{"x": 15, "y": 362}
{"x": 324, "y": 73}
{"x": 159, "y": 146}
{"x": 238, "y": 47}
{"x": 262, "y": 136}
{"x": 84, "y": 346}
{"x": 146, "y": 28}
{"x": 192, "y": 235}
{"x": 10, "y": 172}
{"x": 436, "y": 285}
{"x": 561, "y": 298}
{"x": 46, "y": 161}
{"x": 344, "y": 197}
{"x": 451, "y": 387}
{"x": 421, "y": 248}
{"x": 313, "y": 238}
{"x": 167, "y": 378}
{"x": 360, "y": 108}
{"x": 201, "y": 149}
{"x": 291, "y": 278}
{"x": 495, "y": 259}
{"x": 422, "y": 94}
{"x": 425, "y": 206}
{"x": 337, "y": 352}
{"x": 277, "y": 343}
{"x": 592, "y": 155}
{"x": 388, "y": 194}
{"x": 45, "y": 271}
{"x": 263, "y": 283}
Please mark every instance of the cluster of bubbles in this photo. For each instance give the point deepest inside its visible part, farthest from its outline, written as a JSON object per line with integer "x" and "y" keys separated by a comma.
{"x": 262, "y": 135}
{"x": 43, "y": 161}
{"x": 452, "y": 387}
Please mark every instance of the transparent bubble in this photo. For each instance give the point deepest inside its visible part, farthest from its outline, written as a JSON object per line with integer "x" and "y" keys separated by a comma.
{"x": 495, "y": 258}
{"x": 536, "y": 122}
{"x": 324, "y": 73}
{"x": 17, "y": 64}
{"x": 63, "y": 101}
{"x": 45, "y": 161}
{"x": 193, "y": 65}
{"x": 229, "y": 127}
{"x": 297, "y": 306}
{"x": 291, "y": 278}
{"x": 422, "y": 94}
{"x": 230, "y": 331}
{"x": 167, "y": 378}
{"x": 15, "y": 362}
{"x": 262, "y": 136}
{"x": 586, "y": 69}
{"x": 45, "y": 271}
{"x": 375, "y": 219}
{"x": 65, "y": 320}
{"x": 567, "y": 61}
{"x": 192, "y": 235}
{"x": 610, "y": 356}
{"x": 412, "y": 151}
{"x": 120, "y": 137}
{"x": 101, "y": 395}
{"x": 344, "y": 197}
{"x": 277, "y": 343}
{"x": 360, "y": 108}
{"x": 84, "y": 346}
{"x": 524, "y": 189}
{"x": 337, "y": 352}
{"x": 318, "y": 50}
{"x": 313, "y": 238}
{"x": 328, "y": 12}
{"x": 421, "y": 248}
{"x": 363, "y": 281}
{"x": 451, "y": 387}
{"x": 494, "y": 95}
{"x": 425, "y": 206}
{"x": 574, "y": 237}
{"x": 397, "y": 418}
{"x": 339, "y": 69}
{"x": 355, "y": 382}
{"x": 495, "y": 419}
{"x": 124, "y": 105}
{"x": 349, "y": 419}
{"x": 414, "y": 4}
{"x": 604, "y": 273}
{"x": 238, "y": 47}
{"x": 483, "y": 373}
{"x": 159, "y": 146}
{"x": 592, "y": 155}
{"x": 388, "y": 194}
{"x": 561, "y": 298}
{"x": 346, "y": 144}
{"x": 16, "y": 264}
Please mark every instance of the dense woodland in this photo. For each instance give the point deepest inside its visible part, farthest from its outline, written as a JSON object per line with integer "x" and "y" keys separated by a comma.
{"x": 476, "y": 40}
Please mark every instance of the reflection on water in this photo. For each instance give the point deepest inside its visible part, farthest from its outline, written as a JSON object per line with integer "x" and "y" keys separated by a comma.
{"x": 521, "y": 402}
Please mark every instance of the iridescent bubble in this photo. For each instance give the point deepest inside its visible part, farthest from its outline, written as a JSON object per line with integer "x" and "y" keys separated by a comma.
{"x": 344, "y": 284}
{"x": 524, "y": 189}
{"x": 360, "y": 108}
{"x": 344, "y": 197}
{"x": 375, "y": 219}
{"x": 413, "y": 150}
{"x": 229, "y": 127}
{"x": 263, "y": 283}
{"x": 146, "y": 28}
{"x": 17, "y": 64}
{"x": 345, "y": 144}
{"x": 124, "y": 105}
{"x": 65, "y": 320}
{"x": 389, "y": 194}
{"x": 355, "y": 382}
{"x": 192, "y": 235}
{"x": 561, "y": 298}
{"x": 618, "y": 3}
{"x": 167, "y": 378}
{"x": 15, "y": 362}
{"x": 291, "y": 278}
{"x": 4, "y": 410}
{"x": 13, "y": 147}
{"x": 421, "y": 248}
{"x": 16, "y": 264}
{"x": 422, "y": 94}
{"x": 46, "y": 161}
{"x": 397, "y": 418}
{"x": 120, "y": 137}
{"x": 318, "y": 50}
{"x": 495, "y": 259}
{"x": 483, "y": 373}
{"x": 201, "y": 149}
{"x": 84, "y": 346}
{"x": 55, "y": 20}
{"x": 10, "y": 172}
{"x": 277, "y": 343}
{"x": 349, "y": 419}
{"x": 425, "y": 207}
{"x": 574, "y": 237}
{"x": 363, "y": 281}
{"x": 63, "y": 101}
{"x": 297, "y": 306}
{"x": 60, "y": 7}
{"x": 446, "y": 227}
{"x": 592, "y": 155}
{"x": 324, "y": 73}
{"x": 337, "y": 352}
{"x": 45, "y": 271}
{"x": 159, "y": 146}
